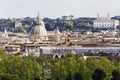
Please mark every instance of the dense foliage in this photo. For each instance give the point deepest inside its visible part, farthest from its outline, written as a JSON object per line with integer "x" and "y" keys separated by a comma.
{"x": 71, "y": 67}
{"x": 64, "y": 23}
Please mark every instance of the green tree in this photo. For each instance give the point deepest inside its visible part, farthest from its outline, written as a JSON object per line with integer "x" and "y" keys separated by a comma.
{"x": 20, "y": 29}
{"x": 83, "y": 70}
{"x": 115, "y": 75}
{"x": 26, "y": 68}
{"x": 64, "y": 17}
{"x": 3, "y": 55}
{"x": 94, "y": 63}
{"x": 6, "y": 76}
{"x": 78, "y": 76}
{"x": 98, "y": 74}
{"x": 59, "y": 70}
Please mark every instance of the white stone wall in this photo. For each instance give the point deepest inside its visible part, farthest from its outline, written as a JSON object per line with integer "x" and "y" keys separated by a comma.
{"x": 35, "y": 51}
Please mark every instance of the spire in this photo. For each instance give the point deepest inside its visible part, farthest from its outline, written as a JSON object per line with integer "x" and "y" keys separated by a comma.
{"x": 38, "y": 14}
{"x": 38, "y": 19}
{"x": 58, "y": 30}
{"x": 5, "y": 34}
{"x": 5, "y": 31}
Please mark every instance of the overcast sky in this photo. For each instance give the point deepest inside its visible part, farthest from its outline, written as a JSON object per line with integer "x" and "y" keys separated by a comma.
{"x": 58, "y": 8}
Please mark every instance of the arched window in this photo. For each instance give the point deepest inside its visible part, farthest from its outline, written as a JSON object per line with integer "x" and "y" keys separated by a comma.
{"x": 62, "y": 56}
{"x": 56, "y": 56}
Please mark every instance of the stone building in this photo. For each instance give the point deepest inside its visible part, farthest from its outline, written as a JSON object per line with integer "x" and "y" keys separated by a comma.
{"x": 105, "y": 23}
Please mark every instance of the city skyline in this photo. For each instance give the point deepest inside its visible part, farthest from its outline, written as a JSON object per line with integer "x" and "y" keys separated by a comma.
{"x": 55, "y": 9}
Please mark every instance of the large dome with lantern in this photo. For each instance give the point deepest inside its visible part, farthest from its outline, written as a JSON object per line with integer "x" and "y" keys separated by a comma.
{"x": 39, "y": 31}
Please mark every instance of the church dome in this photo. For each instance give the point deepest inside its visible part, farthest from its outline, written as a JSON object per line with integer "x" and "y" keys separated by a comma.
{"x": 39, "y": 30}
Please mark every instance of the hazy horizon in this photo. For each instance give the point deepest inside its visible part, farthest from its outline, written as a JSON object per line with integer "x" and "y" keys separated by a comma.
{"x": 58, "y": 8}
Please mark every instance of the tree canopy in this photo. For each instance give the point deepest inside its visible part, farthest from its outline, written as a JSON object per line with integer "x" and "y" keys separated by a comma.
{"x": 71, "y": 67}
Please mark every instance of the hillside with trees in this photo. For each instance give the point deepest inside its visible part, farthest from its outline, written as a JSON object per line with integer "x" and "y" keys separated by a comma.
{"x": 64, "y": 23}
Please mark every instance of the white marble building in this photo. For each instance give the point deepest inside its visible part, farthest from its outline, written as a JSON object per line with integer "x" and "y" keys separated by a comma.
{"x": 105, "y": 22}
